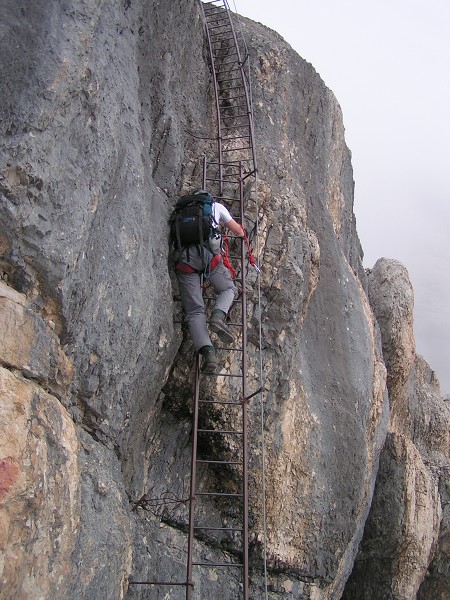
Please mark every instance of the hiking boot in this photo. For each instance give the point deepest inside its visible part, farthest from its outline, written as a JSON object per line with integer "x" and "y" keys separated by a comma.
{"x": 217, "y": 324}
{"x": 210, "y": 362}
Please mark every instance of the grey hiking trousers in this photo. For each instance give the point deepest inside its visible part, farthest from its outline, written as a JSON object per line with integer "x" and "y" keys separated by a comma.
{"x": 193, "y": 303}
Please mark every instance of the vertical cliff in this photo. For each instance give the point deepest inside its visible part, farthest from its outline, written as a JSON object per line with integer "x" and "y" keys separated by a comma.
{"x": 404, "y": 552}
{"x": 106, "y": 110}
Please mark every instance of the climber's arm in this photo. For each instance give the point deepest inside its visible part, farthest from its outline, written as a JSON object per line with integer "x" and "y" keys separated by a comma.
{"x": 234, "y": 227}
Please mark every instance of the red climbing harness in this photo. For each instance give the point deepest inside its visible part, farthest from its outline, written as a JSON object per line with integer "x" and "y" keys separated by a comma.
{"x": 226, "y": 259}
{"x": 251, "y": 258}
{"x": 188, "y": 269}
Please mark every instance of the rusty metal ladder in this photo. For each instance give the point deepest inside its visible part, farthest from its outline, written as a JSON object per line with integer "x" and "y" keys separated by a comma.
{"x": 226, "y": 177}
{"x": 235, "y": 459}
{"x": 232, "y": 89}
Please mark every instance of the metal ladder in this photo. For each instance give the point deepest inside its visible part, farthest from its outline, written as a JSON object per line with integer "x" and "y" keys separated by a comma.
{"x": 232, "y": 90}
{"x": 235, "y": 454}
{"x": 225, "y": 177}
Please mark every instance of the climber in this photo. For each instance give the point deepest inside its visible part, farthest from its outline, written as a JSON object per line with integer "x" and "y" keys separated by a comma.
{"x": 192, "y": 260}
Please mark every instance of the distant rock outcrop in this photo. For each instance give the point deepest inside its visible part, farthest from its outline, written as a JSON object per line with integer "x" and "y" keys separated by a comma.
{"x": 409, "y": 517}
{"x": 106, "y": 110}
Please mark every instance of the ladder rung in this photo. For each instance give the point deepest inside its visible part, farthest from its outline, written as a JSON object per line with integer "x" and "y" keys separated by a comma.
{"x": 225, "y": 197}
{"x": 233, "y": 106}
{"x": 218, "y": 39}
{"x": 230, "y": 173}
{"x": 219, "y": 53}
{"x": 232, "y": 98}
{"x": 238, "y": 116}
{"x": 234, "y": 149}
{"x": 229, "y": 349}
{"x": 228, "y": 31}
{"x": 220, "y": 72}
{"x": 228, "y": 495}
{"x": 227, "y": 167}
{"x": 224, "y": 175}
{"x": 223, "y": 374}
{"x": 227, "y": 62}
{"x": 236, "y": 137}
{"x": 219, "y": 402}
{"x": 242, "y": 160}
{"x": 220, "y": 431}
{"x": 219, "y": 528}
{"x": 211, "y": 12}
{"x": 228, "y": 72}
{"x": 229, "y": 322}
{"x": 199, "y": 564}
{"x": 215, "y": 297}
{"x": 220, "y": 462}
{"x": 219, "y": 81}
{"x": 223, "y": 17}
{"x": 214, "y": 35}
{"x": 234, "y": 127}
{"x": 216, "y": 26}
{"x": 235, "y": 87}
{"x": 159, "y": 583}
{"x": 229, "y": 199}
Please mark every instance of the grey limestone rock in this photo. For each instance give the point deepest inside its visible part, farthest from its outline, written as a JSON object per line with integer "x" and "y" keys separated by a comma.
{"x": 105, "y": 113}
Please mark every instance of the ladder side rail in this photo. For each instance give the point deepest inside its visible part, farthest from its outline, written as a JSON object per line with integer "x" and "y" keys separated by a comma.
{"x": 216, "y": 97}
{"x": 246, "y": 60}
{"x": 193, "y": 483}
{"x": 250, "y": 119}
{"x": 244, "y": 396}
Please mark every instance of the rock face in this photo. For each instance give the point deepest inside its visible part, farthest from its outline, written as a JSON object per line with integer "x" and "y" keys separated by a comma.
{"x": 408, "y": 522}
{"x": 104, "y": 119}
{"x": 52, "y": 474}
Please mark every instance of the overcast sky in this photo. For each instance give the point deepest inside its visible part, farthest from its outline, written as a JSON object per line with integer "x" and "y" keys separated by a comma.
{"x": 388, "y": 64}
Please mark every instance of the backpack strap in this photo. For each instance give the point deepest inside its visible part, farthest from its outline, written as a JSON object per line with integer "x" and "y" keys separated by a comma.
{"x": 177, "y": 233}
{"x": 200, "y": 231}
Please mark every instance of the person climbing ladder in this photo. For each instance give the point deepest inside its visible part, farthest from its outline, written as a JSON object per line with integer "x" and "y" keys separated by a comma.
{"x": 195, "y": 224}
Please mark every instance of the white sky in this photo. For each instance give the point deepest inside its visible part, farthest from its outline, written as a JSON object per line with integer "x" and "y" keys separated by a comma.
{"x": 388, "y": 64}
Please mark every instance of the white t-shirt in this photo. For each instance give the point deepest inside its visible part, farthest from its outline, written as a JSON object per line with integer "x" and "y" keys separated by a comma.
{"x": 221, "y": 214}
